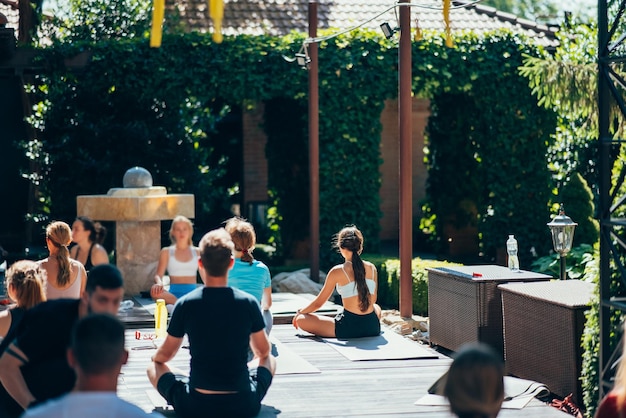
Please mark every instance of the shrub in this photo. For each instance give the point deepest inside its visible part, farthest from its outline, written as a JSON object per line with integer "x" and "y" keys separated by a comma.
{"x": 264, "y": 253}
{"x": 577, "y": 200}
{"x": 389, "y": 283}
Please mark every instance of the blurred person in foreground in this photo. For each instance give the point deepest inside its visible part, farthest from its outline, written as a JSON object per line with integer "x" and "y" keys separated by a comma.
{"x": 34, "y": 366}
{"x": 474, "y": 384}
{"x": 96, "y": 354}
{"x": 25, "y": 284}
{"x": 613, "y": 405}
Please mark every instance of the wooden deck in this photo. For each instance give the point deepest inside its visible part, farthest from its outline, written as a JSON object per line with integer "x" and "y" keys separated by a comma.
{"x": 341, "y": 388}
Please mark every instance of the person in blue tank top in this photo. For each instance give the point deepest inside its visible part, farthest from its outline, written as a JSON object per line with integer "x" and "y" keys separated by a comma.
{"x": 248, "y": 274}
{"x": 180, "y": 260}
{"x": 356, "y": 282}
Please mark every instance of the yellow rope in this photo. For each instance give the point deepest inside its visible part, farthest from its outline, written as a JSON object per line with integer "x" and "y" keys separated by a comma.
{"x": 216, "y": 11}
{"x": 446, "y": 19}
{"x": 158, "y": 12}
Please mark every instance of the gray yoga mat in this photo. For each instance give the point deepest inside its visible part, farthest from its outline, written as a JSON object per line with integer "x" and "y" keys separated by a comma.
{"x": 387, "y": 346}
{"x": 288, "y": 362}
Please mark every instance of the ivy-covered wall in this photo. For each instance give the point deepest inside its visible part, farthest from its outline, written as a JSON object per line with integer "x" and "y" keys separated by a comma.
{"x": 488, "y": 141}
{"x": 133, "y": 105}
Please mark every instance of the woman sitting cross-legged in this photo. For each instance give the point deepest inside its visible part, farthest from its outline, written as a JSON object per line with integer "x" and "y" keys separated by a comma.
{"x": 356, "y": 282}
{"x": 180, "y": 260}
{"x": 250, "y": 275}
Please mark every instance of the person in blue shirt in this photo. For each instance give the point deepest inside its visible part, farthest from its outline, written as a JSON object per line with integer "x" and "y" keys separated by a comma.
{"x": 248, "y": 274}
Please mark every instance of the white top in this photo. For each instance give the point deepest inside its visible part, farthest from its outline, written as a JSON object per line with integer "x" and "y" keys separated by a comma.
{"x": 349, "y": 289}
{"x": 88, "y": 404}
{"x": 70, "y": 292}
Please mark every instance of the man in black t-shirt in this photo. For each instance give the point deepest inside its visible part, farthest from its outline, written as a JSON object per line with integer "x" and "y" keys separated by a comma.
{"x": 221, "y": 323}
{"x": 34, "y": 367}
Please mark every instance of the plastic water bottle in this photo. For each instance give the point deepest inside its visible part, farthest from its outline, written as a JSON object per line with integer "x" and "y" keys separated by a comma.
{"x": 160, "y": 319}
{"x": 511, "y": 249}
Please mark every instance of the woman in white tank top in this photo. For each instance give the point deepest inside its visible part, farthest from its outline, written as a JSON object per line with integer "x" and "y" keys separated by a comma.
{"x": 180, "y": 260}
{"x": 357, "y": 283}
{"x": 65, "y": 277}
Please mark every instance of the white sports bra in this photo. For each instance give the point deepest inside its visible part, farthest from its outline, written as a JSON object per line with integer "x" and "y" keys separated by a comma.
{"x": 182, "y": 268}
{"x": 350, "y": 289}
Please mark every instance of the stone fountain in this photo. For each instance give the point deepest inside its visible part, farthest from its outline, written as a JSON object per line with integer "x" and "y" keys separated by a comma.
{"x": 137, "y": 210}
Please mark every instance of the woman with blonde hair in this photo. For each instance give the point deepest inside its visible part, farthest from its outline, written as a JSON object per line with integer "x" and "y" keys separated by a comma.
{"x": 356, "y": 282}
{"x": 25, "y": 287}
{"x": 474, "y": 384}
{"x": 180, "y": 260}
{"x": 65, "y": 277}
{"x": 248, "y": 274}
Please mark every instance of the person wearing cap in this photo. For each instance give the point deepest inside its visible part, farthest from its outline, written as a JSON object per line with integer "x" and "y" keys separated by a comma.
{"x": 34, "y": 367}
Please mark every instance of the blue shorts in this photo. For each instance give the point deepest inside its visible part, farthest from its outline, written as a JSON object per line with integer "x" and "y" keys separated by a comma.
{"x": 189, "y": 403}
{"x": 351, "y": 325}
{"x": 180, "y": 290}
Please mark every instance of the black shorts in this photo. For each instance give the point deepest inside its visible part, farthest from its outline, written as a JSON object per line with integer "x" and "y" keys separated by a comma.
{"x": 189, "y": 403}
{"x": 351, "y": 325}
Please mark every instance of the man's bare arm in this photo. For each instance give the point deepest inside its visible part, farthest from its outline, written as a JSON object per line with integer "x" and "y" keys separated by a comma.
{"x": 11, "y": 375}
{"x": 260, "y": 344}
{"x": 168, "y": 349}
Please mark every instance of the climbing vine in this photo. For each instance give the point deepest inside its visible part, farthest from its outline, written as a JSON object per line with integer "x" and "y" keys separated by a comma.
{"x": 133, "y": 105}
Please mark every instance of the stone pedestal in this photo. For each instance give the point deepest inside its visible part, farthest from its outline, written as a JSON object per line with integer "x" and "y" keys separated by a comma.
{"x": 138, "y": 213}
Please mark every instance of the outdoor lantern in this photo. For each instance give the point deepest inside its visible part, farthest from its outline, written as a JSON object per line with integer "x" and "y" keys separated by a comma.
{"x": 562, "y": 230}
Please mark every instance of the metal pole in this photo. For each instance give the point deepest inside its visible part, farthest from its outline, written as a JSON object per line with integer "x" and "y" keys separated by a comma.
{"x": 314, "y": 144}
{"x": 563, "y": 269}
{"x": 405, "y": 113}
{"x": 604, "y": 195}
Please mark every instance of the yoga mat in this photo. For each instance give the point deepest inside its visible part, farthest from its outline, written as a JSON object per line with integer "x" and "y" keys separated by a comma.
{"x": 387, "y": 346}
{"x": 289, "y": 303}
{"x": 147, "y": 303}
{"x": 137, "y": 316}
{"x": 517, "y": 393}
{"x": 288, "y": 362}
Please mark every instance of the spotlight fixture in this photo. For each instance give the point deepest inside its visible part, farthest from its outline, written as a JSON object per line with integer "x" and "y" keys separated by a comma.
{"x": 302, "y": 57}
{"x": 387, "y": 30}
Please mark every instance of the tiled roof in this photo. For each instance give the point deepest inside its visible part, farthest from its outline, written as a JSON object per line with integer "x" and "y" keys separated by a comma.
{"x": 12, "y": 16}
{"x": 279, "y": 17}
